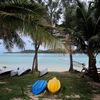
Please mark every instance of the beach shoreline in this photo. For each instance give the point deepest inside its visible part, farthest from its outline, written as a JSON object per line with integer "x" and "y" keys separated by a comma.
{"x": 57, "y": 69}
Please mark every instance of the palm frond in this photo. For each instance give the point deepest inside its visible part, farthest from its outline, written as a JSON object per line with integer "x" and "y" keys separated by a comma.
{"x": 14, "y": 14}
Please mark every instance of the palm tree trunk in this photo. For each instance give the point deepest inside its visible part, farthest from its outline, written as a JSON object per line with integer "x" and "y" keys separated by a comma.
{"x": 35, "y": 59}
{"x": 71, "y": 60}
{"x": 92, "y": 66}
{"x": 33, "y": 63}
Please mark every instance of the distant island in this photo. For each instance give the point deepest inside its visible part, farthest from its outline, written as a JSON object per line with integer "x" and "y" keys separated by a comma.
{"x": 46, "y": 51}
{"x": 40, "y": 51}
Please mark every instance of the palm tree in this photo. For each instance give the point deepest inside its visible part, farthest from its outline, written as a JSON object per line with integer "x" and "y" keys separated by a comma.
{"x": 28, "y": 17}
{"x": 41, "y": 35}
{"x": 68, "y": 27}
{"x": 15, "y": 15}
{"x": 43, "y": 31}
{"x": 87, "y": 34}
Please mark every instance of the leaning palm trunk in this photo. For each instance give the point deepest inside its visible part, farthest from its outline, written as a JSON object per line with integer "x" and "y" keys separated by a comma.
{"x": 92, "y": 66}
{"x": 35, "y": 59}
{"x": 33, "y": 64}
{"x": 71, "y": 60}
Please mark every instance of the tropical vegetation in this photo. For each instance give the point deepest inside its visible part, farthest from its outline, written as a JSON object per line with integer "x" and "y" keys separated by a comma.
{"x": 87, "y": 33}
{"x": 40, "y": 19}
{"x": 83, "y": 32}
{"x": 30, "y": 19}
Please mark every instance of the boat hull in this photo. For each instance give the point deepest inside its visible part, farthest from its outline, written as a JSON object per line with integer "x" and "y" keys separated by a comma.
{"x": 39, "y": 86}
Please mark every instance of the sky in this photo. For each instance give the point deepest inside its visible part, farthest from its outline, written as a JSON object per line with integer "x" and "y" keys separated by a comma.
{"x": 28, "y": 45}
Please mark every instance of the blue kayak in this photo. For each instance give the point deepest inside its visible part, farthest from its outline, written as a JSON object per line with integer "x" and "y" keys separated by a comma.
{"x": 39, "y": 86}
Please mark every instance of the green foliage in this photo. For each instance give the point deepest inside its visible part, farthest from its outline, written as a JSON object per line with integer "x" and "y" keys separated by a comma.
{"x": 87, "y": 31}
{"x": 24, "y": 16}
{"x": 14, "y": 14}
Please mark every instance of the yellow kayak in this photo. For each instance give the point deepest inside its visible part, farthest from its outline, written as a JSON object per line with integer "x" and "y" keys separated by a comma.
{"x": 54, "y": 85}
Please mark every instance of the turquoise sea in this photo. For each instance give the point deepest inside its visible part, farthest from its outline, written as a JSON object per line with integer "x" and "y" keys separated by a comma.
{"x": 54, "y": 62}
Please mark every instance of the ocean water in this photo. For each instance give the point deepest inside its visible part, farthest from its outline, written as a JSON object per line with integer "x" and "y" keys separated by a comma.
{"x": 54, "y": 62}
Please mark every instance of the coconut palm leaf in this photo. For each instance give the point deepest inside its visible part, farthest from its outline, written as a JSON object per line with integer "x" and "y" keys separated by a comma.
{"x": 88, "y": 25}
{"x": 41, "y": 33}
{"x": 13, "y": 16}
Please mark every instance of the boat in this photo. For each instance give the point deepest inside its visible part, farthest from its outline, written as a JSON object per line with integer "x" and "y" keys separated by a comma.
{"x": 23, "y": 70}
{"x": 4, "y": 70}
{"x": 54, "y": 85}
{"x": 43, "y": 72}
{"x": 39, "y": 86}
{"x": 14, "y": 72}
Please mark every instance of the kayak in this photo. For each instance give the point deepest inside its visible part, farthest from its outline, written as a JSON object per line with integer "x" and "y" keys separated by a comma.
{"x": 54, "y": 85}
{"x": 22, "y": 70}
{"x": 39, "y": 86}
